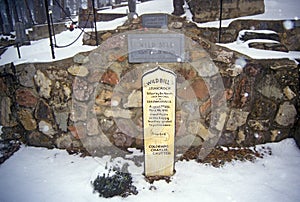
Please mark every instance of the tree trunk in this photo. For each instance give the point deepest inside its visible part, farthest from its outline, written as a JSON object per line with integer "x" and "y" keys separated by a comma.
{"x": 9, "y": 26}
{"x": 28, "y": 13}
{"x": 39, "y": 12}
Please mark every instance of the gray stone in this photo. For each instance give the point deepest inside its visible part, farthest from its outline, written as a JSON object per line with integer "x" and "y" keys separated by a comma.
{"x": 269, "y": 88}
{"x": 118, "y": 113}
{"x": 78, "y": 70}
{"x": 61, "y": 119}
{"x": 39, "y": 140}
{"x": 92, "y": 127}
{"x": 7, "y": 119}
{"x": 26, "y": 75}
{"x": 237, "y": 118}
{"x": 80, "y": 59}
{"x": 46, "y": 128}
{"x": 82, "y": 90}
{"x": 286, "y": 114}
{"x": 79, "y": 111}
{"x": 188, "y": 141}
{"x": 134, "y": 99}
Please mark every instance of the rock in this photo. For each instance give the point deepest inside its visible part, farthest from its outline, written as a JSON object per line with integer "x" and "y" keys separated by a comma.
{"x": 187, "y": 73}
{"x": 206, "y": 68}
{"x": 61, "y": 119}
{"x": 80, "y": 59}
{"x": 25, "y": 97}
{"x": 65, "y": 141}
{"x": 259, "y": 125}
{"x": 106, "y": 124}
{"x": 39, "y": 140}
{"x": 43, "y": 111}
{"x": 219, "y": 121}
{"x": 46, "y": 128}
{"x": 241, "y": 137}
{"x": 196, "y": 55}
{"x": 255, "y": 35}
{"x": 105, "y": 36}
{"x": 118, "y": 113}
{"x": 26, "y": 76}
{"x": 268, "y": 46}
{"x": 286, "y": 114}
{"x": 127, "y": 126}
{"x": 79, "y": 111}
{"x": 134, "y": 99}
{"x": 283, "y": 64}
{"x": 7, "y": 119}
{"x": 43, "y": 83}
{"x": 188, "y": 141}
{"x": 122, "y": 140}
{"x": 3, "y": 87}
{"x": 205, "y": 108}
{"x": 237, "y": 118}
{"x": 56, "y": 74}
{"x": 200, "y": 89}
{"x": 92, "y": 127}
{"x": 235, "y": 70}
{"x": 27, "y": 120}
{"x": 224, "y": 56}
{"x": 104, "y": 98}
{"x": 78, "y": 70}
{"x": 289, "y": 93}
{"x": 176, "y": 25}
{"x": 110, "y": 77}
{"x": 82, "y": 90}
{"x": 78, "y": 130}
{"x": 186, "y": 93}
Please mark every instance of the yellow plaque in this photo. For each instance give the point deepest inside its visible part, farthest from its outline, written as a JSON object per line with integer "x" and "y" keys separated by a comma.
{"x": 159, "y": 97}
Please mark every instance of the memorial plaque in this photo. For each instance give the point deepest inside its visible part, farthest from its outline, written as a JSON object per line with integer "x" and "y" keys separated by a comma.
{"x": 155, "y": 21}
{"x": 159, "y": 93}
{"x": 155, "y": 48}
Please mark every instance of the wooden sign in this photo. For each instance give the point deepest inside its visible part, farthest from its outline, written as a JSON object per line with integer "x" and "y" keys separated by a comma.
{"x": 159, "y": 97}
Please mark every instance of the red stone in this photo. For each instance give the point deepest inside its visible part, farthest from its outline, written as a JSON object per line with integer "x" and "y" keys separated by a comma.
{"x": 200, "y": 89}
{"x": 110, "y": 77}
{"x": 26, "y": 98}
{"x": 205, "y": 108}
{"x": 188, "y": 74}
{"x": 3, "y": 87}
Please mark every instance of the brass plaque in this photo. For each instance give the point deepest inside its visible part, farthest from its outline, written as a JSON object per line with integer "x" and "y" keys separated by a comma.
{"x": 159, "y": 97}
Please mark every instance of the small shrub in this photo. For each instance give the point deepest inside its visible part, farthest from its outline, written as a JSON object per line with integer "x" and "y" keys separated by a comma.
{"x": 119, "y": 184}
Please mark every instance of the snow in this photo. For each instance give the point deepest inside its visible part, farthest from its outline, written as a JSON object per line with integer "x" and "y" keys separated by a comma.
{"x": 38, "y": 174}
{"x": 39, "y": 51}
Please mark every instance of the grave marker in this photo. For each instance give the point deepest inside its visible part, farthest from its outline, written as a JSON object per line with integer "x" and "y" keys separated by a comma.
{"x": 155, "y": 21}
{"x": 155, "y": 48}
{"x": 159, "y": 95}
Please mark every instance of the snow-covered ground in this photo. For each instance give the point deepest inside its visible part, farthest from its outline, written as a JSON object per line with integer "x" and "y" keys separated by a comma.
{"x": 39, "y": 51}
{"x": 38, "y": 174}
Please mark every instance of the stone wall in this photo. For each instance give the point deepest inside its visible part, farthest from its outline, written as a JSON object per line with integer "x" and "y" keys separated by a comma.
{"x": 209, "y": 10}
{"x": 93, "y": 100}
{"x": 288, "y": 31}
